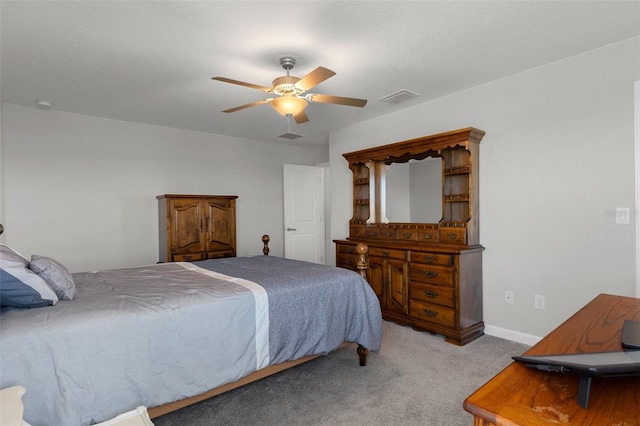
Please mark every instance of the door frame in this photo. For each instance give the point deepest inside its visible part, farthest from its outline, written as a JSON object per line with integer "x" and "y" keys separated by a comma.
{"x": 636, "y": 212}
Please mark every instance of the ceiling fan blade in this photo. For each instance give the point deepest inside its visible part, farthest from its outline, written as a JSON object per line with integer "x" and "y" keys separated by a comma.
{"x": 328, "y": 99}
{"x": 314, "y": 78}
{"x": 242, "y": 83}
{"x": 238, "y": 108}
{"x": 301, "y": 117}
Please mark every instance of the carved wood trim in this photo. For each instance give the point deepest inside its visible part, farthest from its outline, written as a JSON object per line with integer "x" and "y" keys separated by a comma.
{"x": 417, "y": 148}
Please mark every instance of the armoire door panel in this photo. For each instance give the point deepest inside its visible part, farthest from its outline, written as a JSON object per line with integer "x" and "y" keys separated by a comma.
{"x": 219, "y": 233}
{"x": 186, "y": 231}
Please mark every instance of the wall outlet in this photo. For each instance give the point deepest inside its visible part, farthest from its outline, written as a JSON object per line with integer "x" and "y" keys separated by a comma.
{"x": 538, "y": 302}
{"x": 508, "y": 297}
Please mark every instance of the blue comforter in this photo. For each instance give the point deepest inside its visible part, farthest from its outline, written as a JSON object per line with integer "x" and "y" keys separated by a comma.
{"x": 161, "y": 333}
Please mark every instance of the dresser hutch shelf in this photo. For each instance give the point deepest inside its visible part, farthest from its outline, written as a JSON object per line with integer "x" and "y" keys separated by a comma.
{"x": 426, "y": 275}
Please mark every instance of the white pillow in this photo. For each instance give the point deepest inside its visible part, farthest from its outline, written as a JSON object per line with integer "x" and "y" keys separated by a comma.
{"x": 11, "y": 407}
{"x": 137, "y": 417}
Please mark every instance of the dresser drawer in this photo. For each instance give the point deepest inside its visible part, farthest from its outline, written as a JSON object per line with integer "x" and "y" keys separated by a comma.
{"x": 388, "y": 253}
{"x": 432, "y": 293}
{"x": 427, "y": 235}
{"x": 431, "y": 258}
{"x": 453, "y": 235}
{"x": 371, "y": 232}
{"x": 407, "y": 234}
{"x": 433, "y": 313}
{"x": 356, "y": 231}
{"x": 346, "y": 248}
{"x": 431, "y": 273}
{"x": 387, "y": 233}
{"x": 187, "y": 257}
{"x": 220, "y": 253}
{"x": 349, "y": 261}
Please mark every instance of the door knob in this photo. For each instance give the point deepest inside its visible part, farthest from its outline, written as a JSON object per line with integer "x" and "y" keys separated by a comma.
{"x": 291, "y": 229}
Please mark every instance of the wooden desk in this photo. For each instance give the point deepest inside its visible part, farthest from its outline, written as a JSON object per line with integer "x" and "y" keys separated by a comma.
{"x": 523, "y": 396}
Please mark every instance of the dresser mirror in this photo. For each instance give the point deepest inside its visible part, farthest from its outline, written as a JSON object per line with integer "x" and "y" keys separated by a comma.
{"x": 413, "y": 191}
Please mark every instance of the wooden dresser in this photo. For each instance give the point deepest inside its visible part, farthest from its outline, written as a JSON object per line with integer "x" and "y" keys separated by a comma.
{"x": 196, "y": 227}
{"x": 426, "y": 274}
{"x": 523, "y": 396}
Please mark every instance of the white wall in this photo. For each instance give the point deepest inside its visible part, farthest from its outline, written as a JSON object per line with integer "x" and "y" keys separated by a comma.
{"x": 556, "y": 160}
{"x": 82, "y": 189}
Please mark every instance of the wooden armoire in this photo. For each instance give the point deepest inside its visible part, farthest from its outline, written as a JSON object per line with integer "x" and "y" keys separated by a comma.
{"x": 426, "y": 271}
{"x": 196, "y": 227}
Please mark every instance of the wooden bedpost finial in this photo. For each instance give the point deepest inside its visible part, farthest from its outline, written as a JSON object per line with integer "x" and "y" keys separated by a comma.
{"x": 265, "y": 241}
{"x": 362, "y": 265}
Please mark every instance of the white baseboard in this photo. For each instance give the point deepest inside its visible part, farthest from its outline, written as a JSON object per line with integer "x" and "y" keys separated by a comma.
{"x": 514, "y": 336}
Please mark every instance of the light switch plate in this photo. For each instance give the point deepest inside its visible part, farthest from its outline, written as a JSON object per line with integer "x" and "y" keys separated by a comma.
{"x": 622, "y": 215}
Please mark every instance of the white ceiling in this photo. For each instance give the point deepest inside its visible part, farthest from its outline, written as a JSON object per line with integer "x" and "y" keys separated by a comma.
{"x": 152, "y": 61}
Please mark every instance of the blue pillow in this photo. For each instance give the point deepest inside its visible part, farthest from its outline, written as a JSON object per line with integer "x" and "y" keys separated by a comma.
{"x": 19, "y": 286}
{"x": 55, "y": 274}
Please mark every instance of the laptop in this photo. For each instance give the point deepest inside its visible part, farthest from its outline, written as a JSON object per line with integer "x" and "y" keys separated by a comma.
{"x": 600, "y": 364}
{"x": 625, "y": 362}
{"x": 593, "y": 364}
{"x": 587, "y": 366}
{"x": 631, "y": 334}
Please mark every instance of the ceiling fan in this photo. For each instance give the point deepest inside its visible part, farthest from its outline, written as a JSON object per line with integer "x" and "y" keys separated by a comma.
{"x": 292, "y": 91}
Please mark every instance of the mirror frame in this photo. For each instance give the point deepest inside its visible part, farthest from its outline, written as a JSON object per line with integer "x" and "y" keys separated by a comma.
{"x": 376, "y": 159}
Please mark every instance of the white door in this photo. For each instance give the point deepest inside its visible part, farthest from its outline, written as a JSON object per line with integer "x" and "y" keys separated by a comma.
{"x": 304, "y": 213}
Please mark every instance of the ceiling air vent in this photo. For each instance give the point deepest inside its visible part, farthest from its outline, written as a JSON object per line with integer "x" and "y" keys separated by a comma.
{"x": 290, "y": 135}
{"x": 398, "y": 97}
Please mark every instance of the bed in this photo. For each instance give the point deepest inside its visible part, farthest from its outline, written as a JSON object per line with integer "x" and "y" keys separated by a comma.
{"x": 168, "y": 335}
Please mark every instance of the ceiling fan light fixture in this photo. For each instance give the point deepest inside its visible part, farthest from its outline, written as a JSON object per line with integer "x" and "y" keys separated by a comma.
{"x": 289, "y": 105}
{"x": 286, "y": 86}
{"x": 290, "y": 89}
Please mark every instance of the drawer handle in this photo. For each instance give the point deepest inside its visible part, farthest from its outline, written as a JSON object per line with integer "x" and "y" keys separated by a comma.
{"x": 427, "y": 236}
{"x": 350, "y": 250}
{"x": 452, "y": 236}
{"x": 372, "y": 233}
{"x": 386, "y": 253}
{"x": 349, "y": 262}
{"x": 430, "y": 313}
{"x": 429, "y": 259}
{"x": 187, "y": 258}
{"x": 388, "y": 233}
{"x": 430, "y": 274}
{"x": 356, "y": 232}
{"x": 407, "y": 235}
{"x": 430, "y": 293}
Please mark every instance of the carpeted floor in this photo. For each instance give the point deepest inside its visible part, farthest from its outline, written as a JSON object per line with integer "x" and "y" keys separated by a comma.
{"x": 417, "y": 379}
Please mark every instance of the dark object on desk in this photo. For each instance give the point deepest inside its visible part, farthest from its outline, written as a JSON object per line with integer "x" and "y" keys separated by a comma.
{"x": 587, "y": 365}
{"x": 631, "y": 334}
